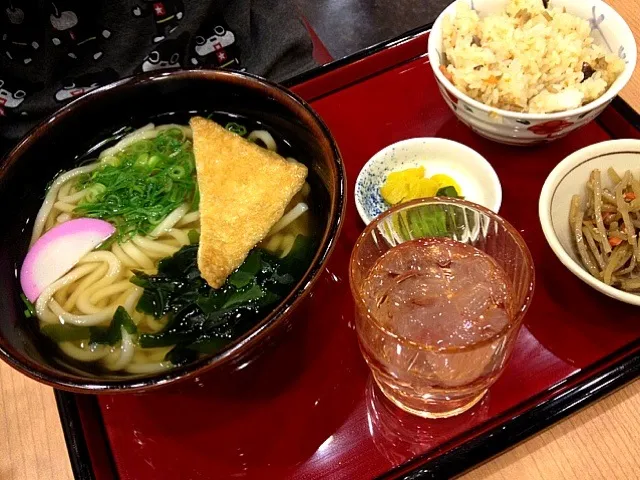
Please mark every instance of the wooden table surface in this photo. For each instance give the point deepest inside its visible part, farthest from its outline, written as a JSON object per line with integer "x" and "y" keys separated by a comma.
{"x": 600, "y": 442}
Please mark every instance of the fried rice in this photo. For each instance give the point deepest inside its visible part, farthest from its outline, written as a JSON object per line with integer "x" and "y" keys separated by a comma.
{"x": 527, "y": 59}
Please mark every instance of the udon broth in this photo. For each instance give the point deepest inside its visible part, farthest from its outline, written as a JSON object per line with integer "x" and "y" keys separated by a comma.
{"x": 91, "y": 292}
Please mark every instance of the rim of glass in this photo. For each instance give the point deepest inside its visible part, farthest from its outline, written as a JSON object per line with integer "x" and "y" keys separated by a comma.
{"x": 461, "y": 203}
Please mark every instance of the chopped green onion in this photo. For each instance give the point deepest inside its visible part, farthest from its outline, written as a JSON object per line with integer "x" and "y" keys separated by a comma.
{"x": 142, "y": 159}
{"x": 106, "y": 245}
{"x": 30, "y": 311}
{"x": 175, "y": 133}
{"x": 148, "y": 180}
{"x": 153, "y": 161}
{"x": 177, "y": 173}
{"x": 194, "y": 236}
{"x": 236, "y": 128}
{"x": 195, "y": 203}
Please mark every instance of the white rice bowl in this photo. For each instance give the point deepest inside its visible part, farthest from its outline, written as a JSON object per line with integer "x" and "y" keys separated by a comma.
{"x": 527, "y": 59}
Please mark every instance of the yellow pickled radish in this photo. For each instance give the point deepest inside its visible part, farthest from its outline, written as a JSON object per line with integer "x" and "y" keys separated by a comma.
{"x": 422, "y": 188}
{"x": 407, "y": 174}
{"x": 396, "y": 188}
{"x": 409, "y": 184}
{"x": 394, "y": 192}
{"x": 446, "y": 181}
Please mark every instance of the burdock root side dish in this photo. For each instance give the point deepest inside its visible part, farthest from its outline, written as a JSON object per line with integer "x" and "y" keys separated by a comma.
{"x": 605, "y": 229}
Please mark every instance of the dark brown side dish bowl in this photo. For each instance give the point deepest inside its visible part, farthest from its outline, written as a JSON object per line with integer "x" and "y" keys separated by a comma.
{"x": 63, "y": 140}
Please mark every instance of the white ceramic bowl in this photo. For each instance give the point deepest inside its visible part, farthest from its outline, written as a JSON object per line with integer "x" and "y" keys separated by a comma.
{"x": 476, "y": 177}
{"x": 570, "y": 177}
{"x": 609, "y": 30}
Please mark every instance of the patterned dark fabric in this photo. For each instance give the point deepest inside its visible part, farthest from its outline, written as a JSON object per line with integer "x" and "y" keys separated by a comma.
{"x": 54, "y": 51}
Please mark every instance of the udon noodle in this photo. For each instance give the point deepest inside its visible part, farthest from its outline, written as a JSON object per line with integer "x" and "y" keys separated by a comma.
{"x": 89, "y": 294}
{"x": 605, "y": 231}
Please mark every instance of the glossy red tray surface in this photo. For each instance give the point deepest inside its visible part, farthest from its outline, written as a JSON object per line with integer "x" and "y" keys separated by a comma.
{"x": 307, "y": 409}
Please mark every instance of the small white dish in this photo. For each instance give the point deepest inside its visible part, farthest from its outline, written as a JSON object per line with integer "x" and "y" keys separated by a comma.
{"x": 477, "y": 178}
{"x": 568, "y": 178}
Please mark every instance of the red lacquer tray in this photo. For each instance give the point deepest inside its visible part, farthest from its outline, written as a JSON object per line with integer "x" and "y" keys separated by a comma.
{"x": 307, "y": 409}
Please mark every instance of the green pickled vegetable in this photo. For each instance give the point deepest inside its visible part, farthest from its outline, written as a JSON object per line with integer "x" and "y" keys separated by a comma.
{"x": 448, "y": 191}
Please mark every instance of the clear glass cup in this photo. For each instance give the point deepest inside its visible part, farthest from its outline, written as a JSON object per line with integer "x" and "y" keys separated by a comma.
{"x": 427, "y": 379}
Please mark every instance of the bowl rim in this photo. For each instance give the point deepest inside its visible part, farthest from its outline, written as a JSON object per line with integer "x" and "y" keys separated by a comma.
{"x": 607, "y": 96}
{"x": 69, "y": 381}
{"x": 452, "y": 144}
{"x": 547, "y": 194}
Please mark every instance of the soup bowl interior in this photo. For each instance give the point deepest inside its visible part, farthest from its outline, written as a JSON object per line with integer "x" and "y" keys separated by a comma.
{"x": 82, "y": 128}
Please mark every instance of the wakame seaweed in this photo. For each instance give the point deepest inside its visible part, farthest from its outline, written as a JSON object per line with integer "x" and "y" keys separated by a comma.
{"x": 203, "y": 319}
{"x": 99, "y": 335}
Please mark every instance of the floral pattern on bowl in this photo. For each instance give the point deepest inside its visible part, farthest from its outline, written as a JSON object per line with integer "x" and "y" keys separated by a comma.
{"x": 550, "y": 128}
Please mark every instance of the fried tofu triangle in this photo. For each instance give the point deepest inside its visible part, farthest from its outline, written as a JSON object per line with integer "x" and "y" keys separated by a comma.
{"x": 244, "y": 190}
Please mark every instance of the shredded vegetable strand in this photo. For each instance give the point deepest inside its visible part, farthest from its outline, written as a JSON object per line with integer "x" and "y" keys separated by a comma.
{"x": 586, "y": 231}
{"x": 624, "y": 211}
{"x": 613, "y": 175}
{"x": 596, "y": 234}
{"x": 630, "y": 268}
{"x": 597, "y": 207}
{"x": 620, "y": 255}
{"x": 576, "y": 222}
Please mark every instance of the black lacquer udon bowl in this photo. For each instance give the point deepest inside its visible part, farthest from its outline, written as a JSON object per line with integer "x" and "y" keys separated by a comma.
{"x": 62, "y": 140}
